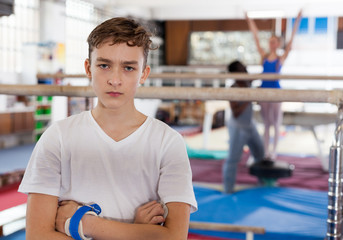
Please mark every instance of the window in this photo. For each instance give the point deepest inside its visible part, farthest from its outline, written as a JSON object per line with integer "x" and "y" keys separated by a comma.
{"x": 220, "y": 48}
{"x": 15, "y": 30}
{"x": 303, "y": 26}
{"x": 321, "y": 25}
{"x": 81, "y": 18}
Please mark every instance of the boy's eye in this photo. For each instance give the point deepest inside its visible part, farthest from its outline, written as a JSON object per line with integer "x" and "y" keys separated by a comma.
{"x": 129, "y": 69}
{"x": 103, "y": 66}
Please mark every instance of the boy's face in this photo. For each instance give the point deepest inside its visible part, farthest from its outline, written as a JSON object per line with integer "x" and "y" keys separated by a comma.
{"x": 116, "y": 71}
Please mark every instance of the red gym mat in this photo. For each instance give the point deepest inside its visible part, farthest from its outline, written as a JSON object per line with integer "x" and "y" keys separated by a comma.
{"x": 10, "y": 197}
{"x": 192, "y": 236}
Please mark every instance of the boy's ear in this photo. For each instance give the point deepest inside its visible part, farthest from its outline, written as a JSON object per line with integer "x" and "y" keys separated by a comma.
{"x": 145, "y": 74}
{"x": 88, "y": 68}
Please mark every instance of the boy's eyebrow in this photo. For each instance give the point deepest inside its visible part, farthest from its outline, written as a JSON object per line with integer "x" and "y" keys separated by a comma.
{"x": 133, "y": 62}
{"x": 100, "y": 59}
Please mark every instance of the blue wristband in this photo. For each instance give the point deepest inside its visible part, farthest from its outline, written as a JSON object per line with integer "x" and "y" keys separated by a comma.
{"x": 76, "y": 218}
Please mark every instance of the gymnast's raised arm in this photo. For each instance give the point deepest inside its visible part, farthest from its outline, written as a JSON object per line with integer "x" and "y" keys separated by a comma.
{"x": 288, "y": 47}
{"x": 253, "y": 28}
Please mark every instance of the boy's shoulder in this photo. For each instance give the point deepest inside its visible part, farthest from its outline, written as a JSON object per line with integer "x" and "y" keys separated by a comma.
{"x": 158, "y": 125}
{"x": 73, "y": 119}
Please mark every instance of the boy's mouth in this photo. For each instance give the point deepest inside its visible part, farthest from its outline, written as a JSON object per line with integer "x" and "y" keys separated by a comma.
{"x": 114, "y": 94}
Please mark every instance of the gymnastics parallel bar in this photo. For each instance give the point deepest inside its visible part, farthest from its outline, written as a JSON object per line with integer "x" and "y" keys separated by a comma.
{"x": 335, "y": 218}
{"x": 228, "y": 228}
{"x": 187, "y": 93}
{"x": 241, "y": 76}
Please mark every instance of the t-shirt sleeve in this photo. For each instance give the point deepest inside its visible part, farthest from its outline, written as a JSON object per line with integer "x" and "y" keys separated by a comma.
{"x": 175, "y": 183}
{"x": 43, "y": 172}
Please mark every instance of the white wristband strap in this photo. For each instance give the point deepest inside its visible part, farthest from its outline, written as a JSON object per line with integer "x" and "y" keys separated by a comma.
{"x": 66, "y": 227}
{"x": 165, "y": 209}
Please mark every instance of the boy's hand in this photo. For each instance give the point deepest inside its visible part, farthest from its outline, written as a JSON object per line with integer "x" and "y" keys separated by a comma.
{"x": 65, "y": 210}
{"x": 150, "y": 213}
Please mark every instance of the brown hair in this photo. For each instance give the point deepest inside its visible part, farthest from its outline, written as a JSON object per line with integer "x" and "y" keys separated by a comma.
{"x": 237, "y": 66}
{"x": 120, "y": 30}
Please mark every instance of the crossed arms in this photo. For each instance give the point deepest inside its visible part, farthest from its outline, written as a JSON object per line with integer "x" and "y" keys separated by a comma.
{"x": 46, "y": 218}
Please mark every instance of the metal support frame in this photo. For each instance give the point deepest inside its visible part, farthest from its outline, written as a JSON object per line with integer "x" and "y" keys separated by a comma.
{"x": 335, "y": 221}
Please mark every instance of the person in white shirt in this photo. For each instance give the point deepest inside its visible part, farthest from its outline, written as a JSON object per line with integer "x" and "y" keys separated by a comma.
{"x": 113, "y": 155}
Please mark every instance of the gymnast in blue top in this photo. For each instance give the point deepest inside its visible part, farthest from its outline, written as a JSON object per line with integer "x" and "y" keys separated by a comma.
{"x": 272, "y": 63}
{"x": 271, "y": 67}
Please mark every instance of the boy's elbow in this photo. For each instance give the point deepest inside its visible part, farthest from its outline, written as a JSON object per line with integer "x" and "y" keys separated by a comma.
{"x": 31, "y": 236}
{"x": 175, "y": 235}
{"x": 51, "y": 234}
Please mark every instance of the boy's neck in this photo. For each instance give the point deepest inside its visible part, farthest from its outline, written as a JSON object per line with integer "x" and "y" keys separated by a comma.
{"x": 115, "y": 115}
{"x": 118, "y": 124}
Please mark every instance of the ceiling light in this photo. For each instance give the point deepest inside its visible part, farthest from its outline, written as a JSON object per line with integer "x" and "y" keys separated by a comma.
{"x": 266, "y": 14}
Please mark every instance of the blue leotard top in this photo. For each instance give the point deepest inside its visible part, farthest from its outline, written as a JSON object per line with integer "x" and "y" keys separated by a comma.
{"x": 271, "y": 67}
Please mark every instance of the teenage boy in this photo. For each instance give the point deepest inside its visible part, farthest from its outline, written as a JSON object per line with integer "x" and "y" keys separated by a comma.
{"x": 113, "y": 155}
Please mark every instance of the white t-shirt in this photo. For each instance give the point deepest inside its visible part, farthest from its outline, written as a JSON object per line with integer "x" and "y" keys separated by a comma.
{"x": 76, "y": 160}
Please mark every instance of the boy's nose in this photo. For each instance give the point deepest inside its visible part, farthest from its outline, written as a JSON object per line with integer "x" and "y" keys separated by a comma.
{"x": 114, "y": 81}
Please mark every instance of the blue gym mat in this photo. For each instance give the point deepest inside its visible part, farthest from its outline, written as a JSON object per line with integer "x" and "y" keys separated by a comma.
{"x": 20, "y": 235}
{"x": 285, "y": 213}
{"x": 206, "y": 154}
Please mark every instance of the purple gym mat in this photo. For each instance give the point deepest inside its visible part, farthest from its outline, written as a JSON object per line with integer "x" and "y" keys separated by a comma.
{"x": 308, "y": 172}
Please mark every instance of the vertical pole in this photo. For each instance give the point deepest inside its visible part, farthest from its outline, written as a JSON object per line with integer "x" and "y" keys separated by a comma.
{"x": 278, "y": 26}
{"x": 249, "y": 236}
{"x": 334, "y": 221}
{"x": 207, "y": 126}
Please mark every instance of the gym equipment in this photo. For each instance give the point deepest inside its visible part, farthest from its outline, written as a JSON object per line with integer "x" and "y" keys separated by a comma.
{"x": 268, "y": 171}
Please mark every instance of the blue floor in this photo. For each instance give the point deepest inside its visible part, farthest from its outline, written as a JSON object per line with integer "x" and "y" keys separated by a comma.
{"x": 15, "y": 158}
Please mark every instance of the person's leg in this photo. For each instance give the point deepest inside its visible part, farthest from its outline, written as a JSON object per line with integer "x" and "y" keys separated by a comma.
{"x": 255, "y": 144}
{"x": 236, "y": 144}
{"x": 276, "y": 121}
{"x": 256, "y": 147}
{"x": 265, "y": 113}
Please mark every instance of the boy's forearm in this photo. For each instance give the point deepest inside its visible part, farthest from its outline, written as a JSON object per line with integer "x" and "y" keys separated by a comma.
{"x": 100, "y": 228}
{"x": 53, "y": 235}
{"x": 175, "y": 228}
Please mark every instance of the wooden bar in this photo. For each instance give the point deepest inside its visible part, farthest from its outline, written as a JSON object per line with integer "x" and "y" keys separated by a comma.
{"x": 225, "y": 227}
{"x": 61, "y": 75}
{"x": 241, "y": 94}
{"x": 241, "y": 76}
{"x": 187, "y": 93}
{"x": 46, "y": 90}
